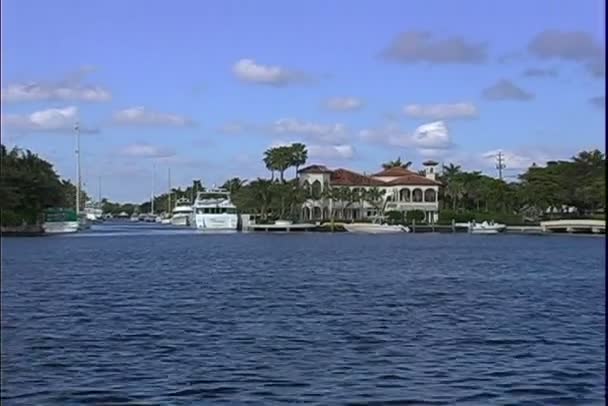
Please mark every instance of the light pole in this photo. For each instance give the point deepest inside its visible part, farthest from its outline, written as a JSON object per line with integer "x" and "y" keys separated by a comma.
{"x": 78, "y": 185}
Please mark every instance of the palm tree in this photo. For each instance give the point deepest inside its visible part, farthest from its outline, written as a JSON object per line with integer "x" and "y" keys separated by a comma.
{"x": 299, "y": 155}
{"x": 375, "y": 197}
{"x": 396, "y": 164}
{"x": 234, "y": 185}
{"x": 270, "y": 162}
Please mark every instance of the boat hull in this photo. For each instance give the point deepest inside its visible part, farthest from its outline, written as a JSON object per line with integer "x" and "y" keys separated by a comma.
{"x": 61, "y": 227}
{"x": 374, "y": 229}
{"x": 218, "y": 222}
{"x": 183, "y": 220}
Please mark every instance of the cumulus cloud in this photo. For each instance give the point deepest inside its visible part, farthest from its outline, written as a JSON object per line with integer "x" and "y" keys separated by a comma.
{"x": 569, "y": 45}
{"x": 248, "y": 70}
{"x": 506, "y": 90}
{"x": 599, "y": 102}
{"x": 49, "y": 120}
{"x": 69, "y": 89}
{"x": 146, "y": 151}
{"x": 419, "y": 46}
{"x": 326, "y": 133}
{"x": 324, "y": 152}
{"x": 576, "y": 46}
{"x": 540, "y": 72}
{"x": 430, "y": 139}
{"x": 344, "y": 103}
{"x": 441, "y": 111}
{"x": 139, "y": 116}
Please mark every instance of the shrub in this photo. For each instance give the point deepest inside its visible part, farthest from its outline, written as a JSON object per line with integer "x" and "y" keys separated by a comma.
{"x": 417, "y": 215}
{"x": 394, "y": 217}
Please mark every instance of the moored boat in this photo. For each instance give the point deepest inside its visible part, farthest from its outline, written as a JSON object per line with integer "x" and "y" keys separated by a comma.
{"x": 182, "y": 213}
{"x": 60, "y": 221}
{"x": 486, "y": 228}
{"x": 214, "y": 211}
{"x": 371, "y": 228}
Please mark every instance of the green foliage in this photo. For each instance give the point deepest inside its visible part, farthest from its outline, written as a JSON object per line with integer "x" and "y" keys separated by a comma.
{"x": 415, "y": 215}
{"x": 279, "y": 159}
{"x": 396, "y": 164}
{"x": 395, "y": 217}
{"x": 28, "y": 185}
{"x": 580, "y": 182}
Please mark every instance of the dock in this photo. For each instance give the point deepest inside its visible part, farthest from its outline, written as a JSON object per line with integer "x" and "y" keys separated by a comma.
{"x": 281, "y": 226}
{"x": 574, "y": 226}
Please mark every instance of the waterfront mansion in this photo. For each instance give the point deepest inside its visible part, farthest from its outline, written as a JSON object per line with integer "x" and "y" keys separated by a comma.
{"x": 403, "y": 190}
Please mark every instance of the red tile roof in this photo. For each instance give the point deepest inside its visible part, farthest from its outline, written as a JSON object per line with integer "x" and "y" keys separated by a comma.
{"x": 344, "y": 177}
{"x": 315, "y": 169}
{"x": 396, "y": 171}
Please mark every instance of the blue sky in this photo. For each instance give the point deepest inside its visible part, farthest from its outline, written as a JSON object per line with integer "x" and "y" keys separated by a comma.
{"x": 204, "y": 87}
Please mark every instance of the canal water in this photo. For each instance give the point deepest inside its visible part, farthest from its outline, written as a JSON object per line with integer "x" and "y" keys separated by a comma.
{"x": 145, "y": 314}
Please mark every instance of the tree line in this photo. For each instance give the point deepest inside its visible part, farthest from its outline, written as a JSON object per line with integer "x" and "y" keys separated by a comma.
{"x": 28, "y": 185}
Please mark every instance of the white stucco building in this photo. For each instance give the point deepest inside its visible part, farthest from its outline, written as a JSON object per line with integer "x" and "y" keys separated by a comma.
{"x": 404, "y": 190}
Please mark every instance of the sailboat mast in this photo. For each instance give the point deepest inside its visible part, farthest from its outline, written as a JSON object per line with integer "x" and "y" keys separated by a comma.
{"x": 153, "y": 185}
{"x": 169, "y": 195}
{"x": 78, "y": 182}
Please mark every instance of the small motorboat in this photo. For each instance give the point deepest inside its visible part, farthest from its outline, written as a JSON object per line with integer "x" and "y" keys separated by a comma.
{"x": 486, "y": 228}
{"x": 371, "y": 228}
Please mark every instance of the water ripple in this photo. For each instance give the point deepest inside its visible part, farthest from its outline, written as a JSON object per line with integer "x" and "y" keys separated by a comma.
{"x": 145, "y": 315}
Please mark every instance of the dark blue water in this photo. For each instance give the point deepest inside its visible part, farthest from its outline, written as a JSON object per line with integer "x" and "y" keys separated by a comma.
{"x": 153, "y": 316}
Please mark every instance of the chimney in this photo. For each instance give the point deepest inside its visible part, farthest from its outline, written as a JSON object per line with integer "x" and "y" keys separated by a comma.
{"x": 430, "y": 169}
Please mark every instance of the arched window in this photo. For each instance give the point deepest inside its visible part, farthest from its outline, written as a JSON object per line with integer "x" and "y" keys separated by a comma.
{"x": 417, "y": 195}
{"x": 316, "y": 212}
{"x": 404, "y": 195}
{"x": 306, "y": 213}
{"x": 316, "y": 189}
{"x": 306, "y": 185}
{"x": 325, "y": 213}
{"x": 430, "y": 195}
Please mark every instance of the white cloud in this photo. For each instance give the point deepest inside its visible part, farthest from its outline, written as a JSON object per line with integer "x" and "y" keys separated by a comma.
{"x": 325, "y": 133}
{"x": 146, "y": 151}
{"x": 427, "y": 137}
{"x": 441, "y": 111}
{"x": 139, "y": 116}
{"x": 516, "y": 160}
{"x": 333, "y": 151}
{"x": 70, "y": 89}
{"x": 49, "y": 120}
{"x": 248, "y": 70}
{"x": 344, "y": 103}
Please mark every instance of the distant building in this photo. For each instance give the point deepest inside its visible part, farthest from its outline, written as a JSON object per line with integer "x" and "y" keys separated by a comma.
{"x": 404, "y": 190}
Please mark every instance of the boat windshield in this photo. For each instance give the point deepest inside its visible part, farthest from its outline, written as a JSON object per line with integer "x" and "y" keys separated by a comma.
{"x": 60, "y": 215}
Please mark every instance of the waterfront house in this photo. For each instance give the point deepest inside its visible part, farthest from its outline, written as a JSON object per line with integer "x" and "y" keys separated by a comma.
{"x": 404, "y": 190}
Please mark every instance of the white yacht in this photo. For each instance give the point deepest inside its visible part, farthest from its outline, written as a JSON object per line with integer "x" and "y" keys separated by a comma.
{"x": 214, "y": 211}
{"x": 182, "y": 213}
{"x": 93, "y": 212}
